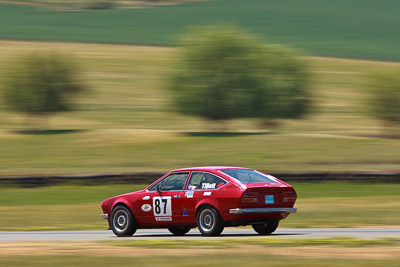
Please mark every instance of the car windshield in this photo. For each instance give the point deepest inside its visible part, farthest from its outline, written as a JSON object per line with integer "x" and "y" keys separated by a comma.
{"x": 249, "y": 176}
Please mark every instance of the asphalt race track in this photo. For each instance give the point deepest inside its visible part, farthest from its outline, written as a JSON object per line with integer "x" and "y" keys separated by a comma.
{"x": 194, "y": 234}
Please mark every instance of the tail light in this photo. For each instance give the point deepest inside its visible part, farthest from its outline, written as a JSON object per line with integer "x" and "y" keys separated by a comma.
{"x": 289, "y": 197}
{"x": 250, "y": 197}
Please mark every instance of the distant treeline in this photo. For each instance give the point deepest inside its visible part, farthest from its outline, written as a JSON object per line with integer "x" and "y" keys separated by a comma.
{"x": 74, "y": 5}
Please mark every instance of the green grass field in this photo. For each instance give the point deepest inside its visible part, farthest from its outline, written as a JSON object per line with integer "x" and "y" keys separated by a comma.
{"x": 125, "y": 123}
{"x": 78, "y": 207}
{"x": 351, "y": 28}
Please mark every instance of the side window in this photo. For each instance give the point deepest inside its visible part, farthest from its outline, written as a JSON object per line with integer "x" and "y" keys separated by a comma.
{"x": 195, "y": 180}
{"x": 205, "y": 181}
{"x": 174, "y": 181}
{"x": 154, "y": 187}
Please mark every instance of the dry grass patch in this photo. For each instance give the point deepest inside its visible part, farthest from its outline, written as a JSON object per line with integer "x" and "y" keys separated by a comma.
{"x": 97, "y": 248}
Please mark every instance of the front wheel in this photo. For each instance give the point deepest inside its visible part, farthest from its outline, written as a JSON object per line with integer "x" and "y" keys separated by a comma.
{"x": 266, "y": 228}
{"x": 122, "y": 222}
{"x": 179, "y": 230}
{"x": 209, "y": 221}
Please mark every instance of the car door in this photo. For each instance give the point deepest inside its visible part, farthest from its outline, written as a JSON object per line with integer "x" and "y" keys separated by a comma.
{"x": 201, "y": 185}
{"x": 161, "y": 204}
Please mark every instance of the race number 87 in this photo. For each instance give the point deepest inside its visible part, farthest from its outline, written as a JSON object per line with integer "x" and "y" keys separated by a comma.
{"x": 162, "y": 206}
{"x": 157, "y": 205}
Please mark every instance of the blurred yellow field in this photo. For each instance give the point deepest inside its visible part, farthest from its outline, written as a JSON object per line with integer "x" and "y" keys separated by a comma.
{"x": 127, "y": 123}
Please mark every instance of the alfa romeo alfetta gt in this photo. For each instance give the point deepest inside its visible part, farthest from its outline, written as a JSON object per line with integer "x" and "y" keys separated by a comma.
{"x": 209, "y": 198}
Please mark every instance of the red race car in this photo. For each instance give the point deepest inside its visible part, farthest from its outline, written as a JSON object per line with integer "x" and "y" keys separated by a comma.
{"x": 207, "y": 197}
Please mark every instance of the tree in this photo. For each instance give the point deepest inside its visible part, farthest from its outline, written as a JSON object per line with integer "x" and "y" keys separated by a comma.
{"x": 384, "y": 99}
{"x": 284, "y": 90}
{"x": 40, "y": 84}
{"x": 225, "y": 73}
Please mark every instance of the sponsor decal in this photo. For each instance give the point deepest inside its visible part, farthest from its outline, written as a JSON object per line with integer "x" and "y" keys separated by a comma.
{"x": 269, "y": 199}
{"x": 208, "y": 186}
{"x": 185, "y": 213}
{"x": 189, "y": 194}
{"x": 163, "y": 219}
{"x": 146, "y": 198}
{"x": 177, "y": 196}
{"x": 162, "y": 206}
{"x": 207, "y": 193}
{"x": 192, "y": 187}
{"x": 146, "y": 207}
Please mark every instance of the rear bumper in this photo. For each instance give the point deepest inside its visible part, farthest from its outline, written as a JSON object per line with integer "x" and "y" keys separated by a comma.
{"x": 104, "y": 216}
{"x": 263, "y": 210}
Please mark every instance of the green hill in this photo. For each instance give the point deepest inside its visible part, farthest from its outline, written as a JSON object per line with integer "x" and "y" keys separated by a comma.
{"x": 340, "y": 28}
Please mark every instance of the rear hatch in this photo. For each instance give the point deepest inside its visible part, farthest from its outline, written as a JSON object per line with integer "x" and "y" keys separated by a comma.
{"x": 261, "y": 195}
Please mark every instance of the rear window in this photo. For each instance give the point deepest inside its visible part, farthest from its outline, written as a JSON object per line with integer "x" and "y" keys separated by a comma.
{"x": 249, "y": 176}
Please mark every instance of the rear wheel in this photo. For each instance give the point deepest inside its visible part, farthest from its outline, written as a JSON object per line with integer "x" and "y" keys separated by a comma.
{"x": 266, "y": 228}
{"x": 209, "y": 221}
{"x": 122, "y": 222}
{"x": 179, "y": 230}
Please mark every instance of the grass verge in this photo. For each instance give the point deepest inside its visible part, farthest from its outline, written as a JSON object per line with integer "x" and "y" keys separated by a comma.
{"x": 264, "y": 242}
{"x": 101, "y": 254}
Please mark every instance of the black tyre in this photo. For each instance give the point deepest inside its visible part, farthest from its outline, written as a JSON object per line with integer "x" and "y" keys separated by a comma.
{"x": 179, "y": 230}
{"x": 266, "y": 228}
{"x": 209, "y": 222}
{"x": 122, "y": 222}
